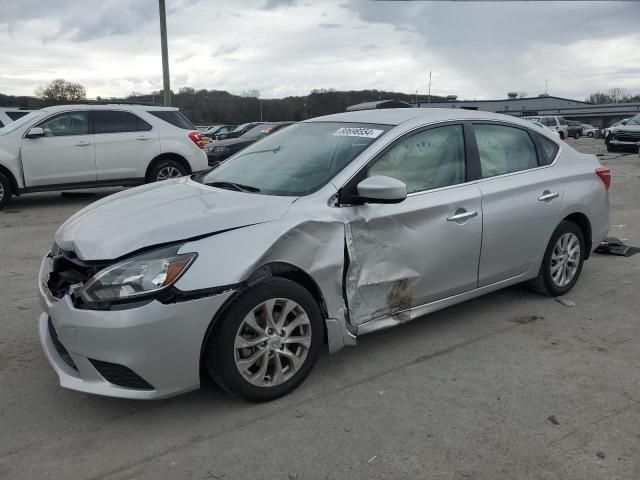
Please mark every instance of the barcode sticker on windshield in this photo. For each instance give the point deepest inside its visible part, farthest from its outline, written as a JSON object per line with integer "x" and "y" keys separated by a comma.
{"x": 358, "y": 132}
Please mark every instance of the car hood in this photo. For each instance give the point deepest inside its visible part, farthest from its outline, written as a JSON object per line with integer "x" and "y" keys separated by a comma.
{"x": 161, "y": 213}
{"x": 627, "y": 128}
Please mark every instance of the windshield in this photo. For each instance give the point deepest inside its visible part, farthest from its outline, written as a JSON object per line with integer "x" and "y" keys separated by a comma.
{"x": 634, "y": 120}
{"x": 13, "y": 126}
{"x": 296, "y": 160}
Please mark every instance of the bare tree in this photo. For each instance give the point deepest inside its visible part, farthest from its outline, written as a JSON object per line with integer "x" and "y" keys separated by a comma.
{"x": 60, "y": 90}
{"x": 523, "y": 94}
{"x": 253, "y": 93}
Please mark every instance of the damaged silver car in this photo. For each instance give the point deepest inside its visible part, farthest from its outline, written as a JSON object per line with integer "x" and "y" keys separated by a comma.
{"x": 330, "y": 229}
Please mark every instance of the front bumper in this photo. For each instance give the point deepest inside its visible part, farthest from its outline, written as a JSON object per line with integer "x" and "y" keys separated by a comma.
{"x": 160, "y": 344}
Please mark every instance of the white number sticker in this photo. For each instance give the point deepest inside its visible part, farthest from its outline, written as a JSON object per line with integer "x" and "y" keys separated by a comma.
{"x": 358, "y": 132}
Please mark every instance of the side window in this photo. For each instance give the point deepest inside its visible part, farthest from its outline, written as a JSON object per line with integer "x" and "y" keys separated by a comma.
{"x": 69, "y": 123}
{"x": 1, "y": 124}
{"x": 16, "y": 115}
{"x": 114, "y": 121}
{"x": 549, "y": 122}
{"x": 504, "y": 149}
{"x": 143, "y": 126}
{"x": 430, "y": 159}
{"x": 547, "y": 149}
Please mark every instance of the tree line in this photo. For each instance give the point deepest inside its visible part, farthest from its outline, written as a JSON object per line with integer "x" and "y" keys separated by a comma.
{"x": 218, "y": 106}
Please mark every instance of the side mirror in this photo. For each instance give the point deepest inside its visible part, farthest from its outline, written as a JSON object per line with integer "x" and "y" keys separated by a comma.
{"x": 381, "y": 189}
{"x": 35, "y": 132}
{"x": 623, "y": 122}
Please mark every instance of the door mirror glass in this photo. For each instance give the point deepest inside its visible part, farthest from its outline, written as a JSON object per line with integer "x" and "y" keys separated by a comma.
{"x": 35, "y": 132}
{"x": 381, "y": 189}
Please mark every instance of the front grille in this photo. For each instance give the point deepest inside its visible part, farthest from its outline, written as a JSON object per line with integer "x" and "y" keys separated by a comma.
{"x": 69, "y": 270}
{"x": 120, "y": 375}
{"x": 64, "y": 354}
{"x": 627, "y": 136}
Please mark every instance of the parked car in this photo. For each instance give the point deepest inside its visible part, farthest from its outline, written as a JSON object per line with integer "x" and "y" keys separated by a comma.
{"x": 559, "y": 124}
{"x": 574, "y": 129}
{"x": 589, "y": 130}
{"x": 8, "y": 115}
{"x": 83, "y": 146}
{"x": 625, "y": 136}
{"x": 333, "y": 228}
{"x": 543, "y": 127}
{"x": 607, "y": 130}
{"x": 211, "y": 132}
{"x": 219, "y": 151}
{"x": 238, "y": 131}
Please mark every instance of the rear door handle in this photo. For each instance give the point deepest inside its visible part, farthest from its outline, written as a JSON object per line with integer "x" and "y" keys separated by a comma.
{"x": 83, "y": 143}
{"x": 142, "y": 137}
{"x": 461, "y": 215}
{"x": 547, "y": 196}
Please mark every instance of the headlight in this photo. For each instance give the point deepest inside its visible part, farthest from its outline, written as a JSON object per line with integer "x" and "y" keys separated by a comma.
{"x": 136, "y": 277}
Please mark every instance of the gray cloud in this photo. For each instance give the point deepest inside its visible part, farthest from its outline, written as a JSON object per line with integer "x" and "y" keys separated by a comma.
{"x": 329, "y": 25}
{"x": 225, "y": 49}
{"x": 273, "y": 4}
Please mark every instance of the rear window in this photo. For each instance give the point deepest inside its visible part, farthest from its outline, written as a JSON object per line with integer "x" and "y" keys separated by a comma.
{"x": 174, "y": 117}
{"x": 16, "y": 115}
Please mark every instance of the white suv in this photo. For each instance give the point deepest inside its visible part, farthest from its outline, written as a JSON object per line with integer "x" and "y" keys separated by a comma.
{"x": 84, "y": 146}
{"x": 556, "y": 123}
{"x": 8, "y": 115}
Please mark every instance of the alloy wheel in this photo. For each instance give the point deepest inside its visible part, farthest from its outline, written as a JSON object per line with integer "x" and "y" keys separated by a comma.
{"x": 272, "y": 342}
{"x": 565, "y": 259}
{"x": 1, "y": 192}
{"x": 168, "y": 172}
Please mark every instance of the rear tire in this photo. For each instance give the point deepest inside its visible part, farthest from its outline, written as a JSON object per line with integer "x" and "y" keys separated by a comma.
{"x": 6, "y": 191}
{"x": 166, "y": 169}
{"x": 561, "y": 256}
{"x": 248, "y": 358}
{"x": 561, "y": 133}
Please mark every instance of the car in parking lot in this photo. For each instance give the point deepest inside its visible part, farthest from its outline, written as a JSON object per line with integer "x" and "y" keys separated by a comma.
{"x": 92, "y": 145}
{"x": 589, "y": 130}
{"x": 237, "y": 132}
{"x": 554, "y": 122}
{"x": 211, "y": 132}
{"x": 223, "y": 149}
{"x": 8, "y": 115}
{"x": 574, "y": 129}
{"x": 333, "y": 228}
{"x": 624, "y": 136}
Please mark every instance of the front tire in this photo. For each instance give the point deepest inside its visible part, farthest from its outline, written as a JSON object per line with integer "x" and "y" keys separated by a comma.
{"x": 590, "y": 135}
{"x": 166, "y": 169}
{"x": 561, "y": 133}
{"x": 6, "y": 191}
{"x": 267, "y": 341}
{"x": 562, "y": 262}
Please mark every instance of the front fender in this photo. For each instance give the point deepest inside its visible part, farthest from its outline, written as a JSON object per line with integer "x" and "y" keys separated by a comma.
{"x": 11, "y": 162}
{"x": 315, "y": 247}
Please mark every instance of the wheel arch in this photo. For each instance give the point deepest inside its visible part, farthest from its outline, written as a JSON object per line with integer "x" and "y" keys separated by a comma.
{"x": 272, "y": 269}
{"x": 167, "y": 156}
{"x": 12, "y": 179}
{"x": 582, "y": 221}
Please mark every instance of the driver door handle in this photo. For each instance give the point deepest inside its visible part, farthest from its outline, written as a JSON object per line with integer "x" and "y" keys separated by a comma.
{"x": 83, "y": 143}
{"x": 461, "y": 215}
{"x": 547, "y": 195}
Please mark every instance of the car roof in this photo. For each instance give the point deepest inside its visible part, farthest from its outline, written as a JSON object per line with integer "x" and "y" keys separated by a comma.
{"x": 396, "y": 116}
{"x": 109, "y": 106}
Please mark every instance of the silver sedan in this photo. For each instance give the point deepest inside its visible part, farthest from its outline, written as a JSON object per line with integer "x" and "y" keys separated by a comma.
{"x": 325, "y": 231}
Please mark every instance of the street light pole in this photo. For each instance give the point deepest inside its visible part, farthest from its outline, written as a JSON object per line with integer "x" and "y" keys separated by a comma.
{"x": 166, "y": 87}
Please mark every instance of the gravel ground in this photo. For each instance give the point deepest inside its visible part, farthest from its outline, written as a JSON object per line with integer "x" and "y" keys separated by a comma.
{"x": 512, "y": 385}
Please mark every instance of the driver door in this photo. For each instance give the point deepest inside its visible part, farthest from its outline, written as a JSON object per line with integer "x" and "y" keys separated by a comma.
{"x": 425, "y": 248}
{"x": 66, "y": 154}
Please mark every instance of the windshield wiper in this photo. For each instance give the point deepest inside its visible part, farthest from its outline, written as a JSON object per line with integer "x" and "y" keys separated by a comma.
{"x": 234, "y": 186}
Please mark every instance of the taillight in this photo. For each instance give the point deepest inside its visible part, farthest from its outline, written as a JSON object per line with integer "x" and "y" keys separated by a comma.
{"x": 605, "y": 175}
{"x": 197, "y": 139}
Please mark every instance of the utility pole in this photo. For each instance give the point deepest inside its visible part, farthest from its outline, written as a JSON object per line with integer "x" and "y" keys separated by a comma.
{"x": 546, "y": 86}
{"x": 429, "y": 100}
{"x": 166, "y": 87}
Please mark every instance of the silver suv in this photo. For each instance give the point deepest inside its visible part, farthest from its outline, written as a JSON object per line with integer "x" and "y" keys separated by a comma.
{"x": 554, "y": 122}
{"x": 83, "y": 146}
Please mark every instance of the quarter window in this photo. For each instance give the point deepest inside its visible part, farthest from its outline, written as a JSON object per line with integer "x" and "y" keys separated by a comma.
{"x": 547, "y": 149}
{"x": 65, "y": 124}
{"x": 114, "y": 121}
{"x": 430, "y": 159}
{"x": 504, "y": 150}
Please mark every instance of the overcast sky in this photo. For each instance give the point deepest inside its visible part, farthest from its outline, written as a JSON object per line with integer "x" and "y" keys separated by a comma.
{"x": 289, "y": 47}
